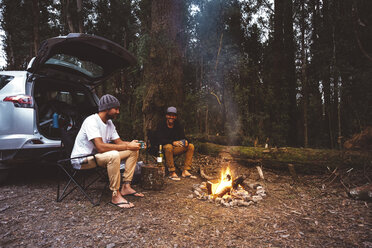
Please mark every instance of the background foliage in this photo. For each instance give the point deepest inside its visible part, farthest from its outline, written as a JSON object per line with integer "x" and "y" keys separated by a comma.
{"x": 291, "y": 73}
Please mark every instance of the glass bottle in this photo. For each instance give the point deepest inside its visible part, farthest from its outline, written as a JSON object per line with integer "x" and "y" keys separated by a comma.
{"x": 159, "y": 159}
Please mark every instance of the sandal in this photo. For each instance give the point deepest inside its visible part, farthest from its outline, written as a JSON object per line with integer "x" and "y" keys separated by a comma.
{"x": 136, "y": 194}
{"x": 174, "y": 178}
{"x": 190, "y": 176}
{"x": 120, "y": 203}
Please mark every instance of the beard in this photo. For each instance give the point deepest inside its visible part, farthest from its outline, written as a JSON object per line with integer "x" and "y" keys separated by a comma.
{"x": 111, "y": 117}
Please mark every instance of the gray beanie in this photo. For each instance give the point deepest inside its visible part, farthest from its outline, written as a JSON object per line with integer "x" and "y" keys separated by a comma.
{"x": 108, "y": 101}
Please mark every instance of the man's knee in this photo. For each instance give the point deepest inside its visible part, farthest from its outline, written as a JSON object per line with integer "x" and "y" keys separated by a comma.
{"x": 134, "y": 153}
{"x": 190, "y": 147}
{"x": 168, "y": 147}
{"x": 114, "y": 155}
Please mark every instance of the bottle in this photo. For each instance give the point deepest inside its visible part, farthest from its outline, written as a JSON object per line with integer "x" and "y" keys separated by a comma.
{"x": 55, "y": 125}
{"x": 159, "y": 159}
{"x": 55, "y": 120}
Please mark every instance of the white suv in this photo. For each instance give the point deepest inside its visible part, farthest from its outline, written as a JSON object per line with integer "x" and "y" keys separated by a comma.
{"x": 55, "y": 92}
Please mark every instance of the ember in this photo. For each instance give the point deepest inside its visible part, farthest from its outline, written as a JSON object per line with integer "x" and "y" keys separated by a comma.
{"x": 229, "y": 191}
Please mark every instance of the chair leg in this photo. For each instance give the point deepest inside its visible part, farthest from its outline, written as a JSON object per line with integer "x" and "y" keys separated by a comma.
{"x": 82, "y": 189}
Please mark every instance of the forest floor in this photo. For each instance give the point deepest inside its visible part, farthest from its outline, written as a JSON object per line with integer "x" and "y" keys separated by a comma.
{"x": 313, "y": 212}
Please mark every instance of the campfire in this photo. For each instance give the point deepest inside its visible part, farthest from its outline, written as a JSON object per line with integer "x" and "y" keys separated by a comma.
{"x": 229, "y": 191}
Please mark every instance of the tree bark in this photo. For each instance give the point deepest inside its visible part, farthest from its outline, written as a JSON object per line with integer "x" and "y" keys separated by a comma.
{"x": 290, "y": 73}
{"x": 69, "y": 18}
{"x": 79, "y": 4}
{"x": 163, "y": 71}
{"x": 36, "y": 15}
{"x": 305, "y": 91}
{"x": 326, "y": 36}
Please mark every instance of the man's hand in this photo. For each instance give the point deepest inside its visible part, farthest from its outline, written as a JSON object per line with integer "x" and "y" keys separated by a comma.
{"x": 179, "y": 143}
{"x": 134, "y": 145}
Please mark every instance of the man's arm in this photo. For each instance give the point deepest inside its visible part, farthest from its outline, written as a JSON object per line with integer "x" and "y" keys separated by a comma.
{"x": 118, "y": 145}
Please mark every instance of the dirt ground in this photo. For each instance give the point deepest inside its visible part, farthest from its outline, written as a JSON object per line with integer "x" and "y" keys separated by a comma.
{"x": 314, "y": 212}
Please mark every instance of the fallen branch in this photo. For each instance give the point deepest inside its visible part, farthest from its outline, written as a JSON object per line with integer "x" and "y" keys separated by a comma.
{"x": 203, "y": 175}
{"x": 260, "y": 172}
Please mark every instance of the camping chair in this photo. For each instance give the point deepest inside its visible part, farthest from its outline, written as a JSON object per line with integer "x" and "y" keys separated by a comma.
{"x": 77, "y": 177}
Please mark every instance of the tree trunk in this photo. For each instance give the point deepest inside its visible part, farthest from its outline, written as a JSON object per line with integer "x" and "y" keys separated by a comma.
{"x": 163, "y": 70}
{"x": 36, "y": 14}
{"x": 326, "y": 74}
{"x": 79, "y": 4}
{"x": 305, "y": 91}
{"x": 11, "y": 58}
{"x": 69, "y": 18}
{"x": 290, "y": 73}
{"x": 277, "y": 106}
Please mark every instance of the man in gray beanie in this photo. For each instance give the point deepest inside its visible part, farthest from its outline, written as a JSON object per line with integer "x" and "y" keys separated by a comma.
{"x": 98, "y": 135}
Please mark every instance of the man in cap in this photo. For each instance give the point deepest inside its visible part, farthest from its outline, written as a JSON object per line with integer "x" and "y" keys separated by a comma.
{"x": 98, "y": 135}
{"x": 170, "y": 134}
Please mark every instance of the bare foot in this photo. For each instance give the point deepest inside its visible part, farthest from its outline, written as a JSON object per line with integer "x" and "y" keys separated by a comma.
{"x": 173, "y": 176}
{"x": 120, "y": 202}
{"x": 126, "y": 189}
{"x": 186, "y": 173}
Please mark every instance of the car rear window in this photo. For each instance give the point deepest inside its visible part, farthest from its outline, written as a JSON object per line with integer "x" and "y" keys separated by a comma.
{"x": 4, "y": 80}
{"x": 86, "y": 67}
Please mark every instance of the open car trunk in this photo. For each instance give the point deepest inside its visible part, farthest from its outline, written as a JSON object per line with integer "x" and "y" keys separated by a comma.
{"x": 69, "y": 103}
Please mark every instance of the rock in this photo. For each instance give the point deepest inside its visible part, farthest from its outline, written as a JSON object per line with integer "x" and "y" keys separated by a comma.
{"x": 246, "y": 204}
{"x": 256, "y": 198}
{"x": 197, "y": 193}
{"x": 196, "y": 187}
{"x": 362, "y": 193}
{"x": 111, "y": 245}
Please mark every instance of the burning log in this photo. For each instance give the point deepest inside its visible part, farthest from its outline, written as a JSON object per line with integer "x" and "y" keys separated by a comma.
{"x": 211, "y": 186}
{"x": 238, "y": 181}
{"x": 224, "y": 191}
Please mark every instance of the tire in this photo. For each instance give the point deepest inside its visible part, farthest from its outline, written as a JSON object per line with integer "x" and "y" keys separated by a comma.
{"x": 4, "y": 175}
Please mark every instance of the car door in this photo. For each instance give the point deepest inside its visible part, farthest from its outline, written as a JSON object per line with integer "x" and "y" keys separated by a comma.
{"x": 80, "y": 58}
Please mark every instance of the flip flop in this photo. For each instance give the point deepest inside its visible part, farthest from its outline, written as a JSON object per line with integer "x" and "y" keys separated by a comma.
{"x": 118, "y": 204}
{"x": 133, "y": 194}
{"x": 190, "y": 176}
{"x": 174, "y": 178}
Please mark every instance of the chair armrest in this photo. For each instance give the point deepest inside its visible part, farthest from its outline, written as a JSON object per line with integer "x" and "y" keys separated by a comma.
{"x": 69, "y": 159}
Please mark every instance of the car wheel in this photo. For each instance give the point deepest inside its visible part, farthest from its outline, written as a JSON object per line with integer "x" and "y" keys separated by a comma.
{"x": 4, "y": 175}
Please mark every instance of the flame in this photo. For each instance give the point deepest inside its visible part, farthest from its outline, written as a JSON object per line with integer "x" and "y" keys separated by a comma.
{"x": 225, "y": 181}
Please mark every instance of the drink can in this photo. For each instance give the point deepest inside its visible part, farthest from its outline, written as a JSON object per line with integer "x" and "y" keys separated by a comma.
{"x": 142, "y": 143}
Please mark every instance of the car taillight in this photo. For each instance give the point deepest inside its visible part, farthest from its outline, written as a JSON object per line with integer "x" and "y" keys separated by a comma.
{"x": 20, "y": 101}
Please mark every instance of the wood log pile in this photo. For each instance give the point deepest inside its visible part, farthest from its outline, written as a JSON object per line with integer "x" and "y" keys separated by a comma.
{"x": 152, "y": 177}
{"x": 241, "y": 194}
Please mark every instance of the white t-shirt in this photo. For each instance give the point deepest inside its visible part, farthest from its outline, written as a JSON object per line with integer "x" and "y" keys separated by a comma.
{"x": 92, "y": 127}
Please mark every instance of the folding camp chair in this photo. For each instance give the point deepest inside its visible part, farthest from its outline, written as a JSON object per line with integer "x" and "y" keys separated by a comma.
{"x": 77, "y": 177}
